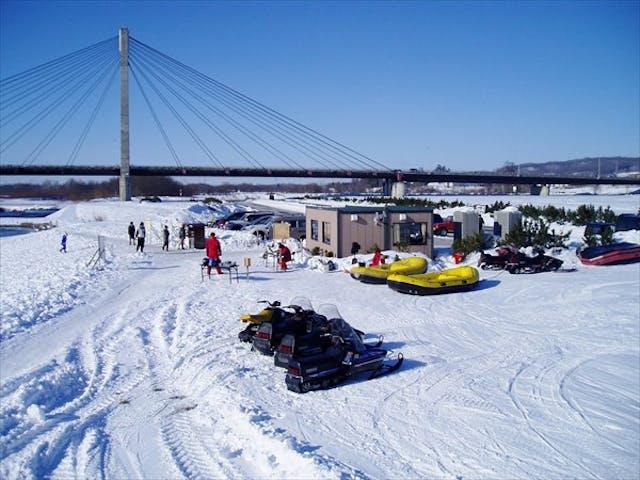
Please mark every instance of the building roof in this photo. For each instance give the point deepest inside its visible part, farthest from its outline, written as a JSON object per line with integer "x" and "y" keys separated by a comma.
{"x": 388, "y": 208}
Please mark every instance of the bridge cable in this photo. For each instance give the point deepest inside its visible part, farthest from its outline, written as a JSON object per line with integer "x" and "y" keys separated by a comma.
{"x": 19, "y": 78}
{"x": 276, "y": 152}
{"x": 64, "y": 95}
{"x": 189, "y": 130}
{"x": 303, "y": 150}
{"x": 53, "y": 82}
{"x": 283, "y": 119}
{"x": 74, "y": 153}
{"x": 157, "y": 120}
{"x": 56, "y": 102}
{"x": 262, "y": 142}
{"x": 35, "y": 92}
{"x": 239, "y": 149}
{"x": 207, "y": 151}
{"x": 63, "y": 121}
{"x": 266, "y": 145}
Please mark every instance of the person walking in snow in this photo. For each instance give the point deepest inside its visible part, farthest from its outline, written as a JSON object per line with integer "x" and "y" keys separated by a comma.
{"x": 132, "y": 233}
{"x": 165, "y": 238}
{"x": 63, "y": 243}
{"x": 182, "y": 234}
{"x": 213, "y": 254}
{"x": 140, "y": 235}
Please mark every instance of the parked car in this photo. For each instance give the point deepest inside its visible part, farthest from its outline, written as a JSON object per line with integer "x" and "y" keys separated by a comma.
{"x": 627, "y": 221}
{"x": 442, "y": 226}
{"x": 297, "y": 226}
{"x": 221, "y": 222}
{"x": 247, "y": 218}
{"x": 258, "y": 224}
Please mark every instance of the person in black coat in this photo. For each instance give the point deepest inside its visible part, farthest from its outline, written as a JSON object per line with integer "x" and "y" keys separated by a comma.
{"x": 165, "y": 238}
{"x": 132, "y": 234}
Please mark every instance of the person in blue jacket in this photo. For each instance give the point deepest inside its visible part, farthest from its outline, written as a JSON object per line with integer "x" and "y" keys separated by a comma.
{"x": 63, "y": 243}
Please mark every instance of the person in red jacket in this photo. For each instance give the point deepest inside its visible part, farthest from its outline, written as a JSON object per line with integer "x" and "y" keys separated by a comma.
{"x": 284, "y": 254}
{"x": 378, "y": 258}
{"x": 213, "y": 253}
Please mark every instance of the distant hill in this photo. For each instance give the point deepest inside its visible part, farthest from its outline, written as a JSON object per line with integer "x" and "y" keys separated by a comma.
{"x": 583, "y": 167}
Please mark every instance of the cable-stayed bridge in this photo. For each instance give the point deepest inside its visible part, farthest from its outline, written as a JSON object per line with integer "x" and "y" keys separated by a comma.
{"x": 57, "y": 119}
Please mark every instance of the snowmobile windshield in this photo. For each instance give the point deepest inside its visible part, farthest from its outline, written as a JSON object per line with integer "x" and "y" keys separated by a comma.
{"x": 302, "y": 302}
{"x": 329, "y": 310}
{"x": 342, "y": 329}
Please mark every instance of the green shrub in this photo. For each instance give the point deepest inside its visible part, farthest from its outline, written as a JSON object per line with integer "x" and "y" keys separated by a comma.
{"x": 496, "y": 206}
{"x": 402, "y": 246}
{"x": 581, "y": 216}
{"x": 472, "y": 243}
{"x": 534, "y": 233}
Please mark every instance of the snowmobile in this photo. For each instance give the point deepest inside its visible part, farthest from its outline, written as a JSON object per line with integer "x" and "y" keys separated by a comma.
{"x": 497, "y": 262}
{"x": 272, "y": 313}
{"x": 517, "y": 262}
{"x": 300, "y": 318}
{"x": 316, "y": 339}
{"x": 347, "y": 356}
{"x": 537, "y": 264}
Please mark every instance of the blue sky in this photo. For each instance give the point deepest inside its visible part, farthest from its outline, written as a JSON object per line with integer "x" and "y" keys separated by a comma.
{"x": 469, "y": 85}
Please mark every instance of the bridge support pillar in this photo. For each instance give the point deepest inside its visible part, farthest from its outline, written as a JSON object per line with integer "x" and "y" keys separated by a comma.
{"x": 386, "y": 187}
{"x": 542, "y": 190}
{"x": 125, "y": 188}
{"x": 125, "y": 179}
{"x": 398, "y": 189}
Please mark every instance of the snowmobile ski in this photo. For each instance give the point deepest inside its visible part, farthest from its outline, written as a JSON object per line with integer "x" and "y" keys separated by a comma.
{"x": 386, "y": 368}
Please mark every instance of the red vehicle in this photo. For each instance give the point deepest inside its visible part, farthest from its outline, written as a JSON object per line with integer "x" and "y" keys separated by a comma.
{"x": 442, "y": 226}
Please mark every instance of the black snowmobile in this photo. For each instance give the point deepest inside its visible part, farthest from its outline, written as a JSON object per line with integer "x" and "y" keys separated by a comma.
{"x": 299, "y": 320}
{"x": 316, "y": 339}
{"x": 347, "y": 356}
{"x": 499, "y": 261}
{"x": 540, "y": 263}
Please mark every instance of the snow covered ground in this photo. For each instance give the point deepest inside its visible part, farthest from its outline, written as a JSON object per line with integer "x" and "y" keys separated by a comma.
{"x": 135, "y": 370}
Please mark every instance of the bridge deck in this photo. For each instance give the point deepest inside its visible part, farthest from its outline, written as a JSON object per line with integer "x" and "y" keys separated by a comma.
{"x": 318, "y": 173}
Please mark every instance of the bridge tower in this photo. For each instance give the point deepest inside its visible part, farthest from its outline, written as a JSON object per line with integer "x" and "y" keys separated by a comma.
{"x": 125, "y": 177}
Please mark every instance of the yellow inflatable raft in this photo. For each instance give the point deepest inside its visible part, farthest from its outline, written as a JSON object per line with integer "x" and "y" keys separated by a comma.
{"x": 379, "y": 273}
{"x": 457, "y": 279}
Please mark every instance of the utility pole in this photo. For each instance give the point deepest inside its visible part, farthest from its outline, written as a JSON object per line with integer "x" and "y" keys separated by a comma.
{"x": 125, "y": 178}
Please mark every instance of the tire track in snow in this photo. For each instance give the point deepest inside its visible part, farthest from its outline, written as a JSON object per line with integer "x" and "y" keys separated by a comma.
{"x": 514, "y": 398}
{"x": 218, "y": 436}
{"x": 564, "y": 392}
{"x": 82, "y": 389}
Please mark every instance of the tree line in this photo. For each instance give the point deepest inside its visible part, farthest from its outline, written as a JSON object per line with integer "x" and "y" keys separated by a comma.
{"x": 166, "y": 186}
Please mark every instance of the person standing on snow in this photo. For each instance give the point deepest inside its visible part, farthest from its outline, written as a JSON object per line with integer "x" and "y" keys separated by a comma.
{"x": 63, "y": 243}
{"x": 213, "y": 254}
{"x": 182, "y": 234}
{"x": 165, "y": 238}
{"x": 355, "y": 248}
{"x": 132, "y": 233}
{"x": 140, "y": 234}
{"x": 284, "y": 254}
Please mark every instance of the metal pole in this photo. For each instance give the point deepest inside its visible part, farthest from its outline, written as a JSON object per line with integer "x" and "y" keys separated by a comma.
{"x": 125, "y": 179}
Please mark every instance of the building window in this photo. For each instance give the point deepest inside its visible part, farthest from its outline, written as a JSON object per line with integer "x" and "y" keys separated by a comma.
{"x": 314, "y": 230}
{"x": 409, "y": 233}
{"x": 326, "y": 233}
